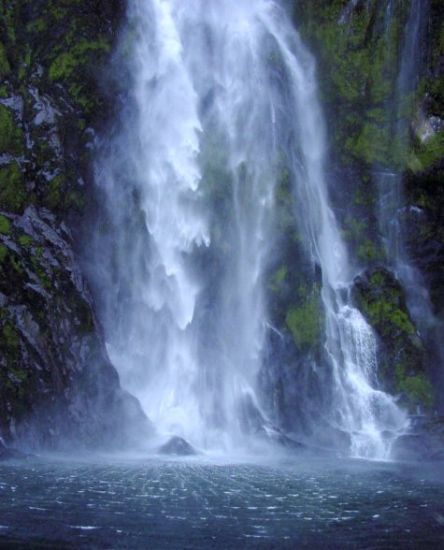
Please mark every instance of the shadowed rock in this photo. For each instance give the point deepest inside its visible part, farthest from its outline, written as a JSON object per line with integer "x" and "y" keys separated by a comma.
{"x": 425, "y": 441}
{"x": 177, "y": 446}
{"x": 7, "y": 453}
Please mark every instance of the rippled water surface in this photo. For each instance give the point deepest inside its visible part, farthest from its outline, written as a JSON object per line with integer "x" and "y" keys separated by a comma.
{"x": 194, "y": 504}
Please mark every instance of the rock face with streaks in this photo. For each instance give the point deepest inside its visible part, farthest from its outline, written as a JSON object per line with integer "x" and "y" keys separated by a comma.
{"x": 57, "y": 385}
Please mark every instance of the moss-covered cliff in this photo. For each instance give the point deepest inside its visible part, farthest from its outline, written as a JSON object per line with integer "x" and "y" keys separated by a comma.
{"x": 385, "y": 121}
{"x": 55, "y": 377}
{"x": 56, "y": 382}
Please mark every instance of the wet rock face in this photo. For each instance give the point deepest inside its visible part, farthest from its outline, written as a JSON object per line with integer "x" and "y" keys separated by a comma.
{"x": 56, "y": 382}
{"x": 424, "y": 229}
{"x": 403, "y": 357}
{"x": 425, "y": 441}
{"x": 177, "y": 446}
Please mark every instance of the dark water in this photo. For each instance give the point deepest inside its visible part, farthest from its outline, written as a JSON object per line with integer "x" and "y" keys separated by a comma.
{"x": 175, "y": 504}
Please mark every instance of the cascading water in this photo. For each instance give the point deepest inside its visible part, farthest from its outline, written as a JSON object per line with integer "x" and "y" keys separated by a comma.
{"x": 215, "y": 94}
{"x": 392, "y": 203}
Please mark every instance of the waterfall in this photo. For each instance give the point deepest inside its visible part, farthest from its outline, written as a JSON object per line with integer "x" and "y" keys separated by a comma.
{"x": 392, "y": 203}
{"x": 213, "y": 95}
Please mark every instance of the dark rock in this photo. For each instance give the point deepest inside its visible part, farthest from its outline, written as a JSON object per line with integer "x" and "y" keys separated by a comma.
{"x": 403, "y": 357}
{"x": 57, "y": 385}
{"x": 177, "y": 446}
{"x": 424, "y": 442}
{"x": 6, "y": 453}
{"x": 288, "y": 442}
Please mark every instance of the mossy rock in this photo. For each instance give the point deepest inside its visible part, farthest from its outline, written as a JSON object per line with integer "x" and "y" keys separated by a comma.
{"x": 416, "y": 387}
{"x": 5, "y": 68}
{"x": 3, "y": 254}
{"x": 428, "y": 153}
{"x": 305, "y": 322}
{"x": 12, "y": 188}
{"x": 381, "y": 300}
{"x": 11, "y": 136}
{"x": 357, "y": 50}
{"x": 5, "y": 225}
{"x": 25, "y": 240}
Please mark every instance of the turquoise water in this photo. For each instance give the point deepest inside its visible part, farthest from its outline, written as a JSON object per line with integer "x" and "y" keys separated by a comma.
{"x": 105, "y": 503}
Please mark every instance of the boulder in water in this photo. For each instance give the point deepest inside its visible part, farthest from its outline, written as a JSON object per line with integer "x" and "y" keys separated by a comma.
{"x": 177, "y": 446}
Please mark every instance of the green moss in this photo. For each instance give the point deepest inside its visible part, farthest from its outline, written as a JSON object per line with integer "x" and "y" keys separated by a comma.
{"x": 355, "y": 229}
{"x": 54, "y": 194}
{"x": 63, "y": 66}
{"x": 37, "y": 26}
{"x": 70, "y": 64}
{"x": 387, "y": 315}
{"x": 11, "y": 137}
{"x": 377, "y": 279}
{"x": 305, "y": 322}
{"x": 75, "y": 67}
{"x": 25, "y": 240}
{"x": 431, "y": 151}
{"x": 284, "y": 197}
{"x": 12, "y": 188}
{"x": 368, "y": 252}
{"x": 5, "y": 225}
{"x": 9, "y": 336}
{"x": 358, "y": 69}
{"x": 40, "y": 271}
{"x": 16, "y": 265}
{"x": 3, "y": 252}
{"x": 381, "y": 300}
{"x": 75, "y": 200}
{"x": 38, "y": 251}
{"x": 278, "y": 278}
{"x": 417, "y": 387}
{"x": 5, "y": 68}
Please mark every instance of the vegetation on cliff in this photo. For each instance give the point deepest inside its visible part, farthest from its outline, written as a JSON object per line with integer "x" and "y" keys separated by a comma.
{"x": 54, "y": 371}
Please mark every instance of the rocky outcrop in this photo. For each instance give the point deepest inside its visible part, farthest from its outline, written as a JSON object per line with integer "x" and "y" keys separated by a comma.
{"x": 424, "y": 441}
{"x": 403, "y": 358}
{"x": 56, "y": 382}
{"x": 177, "y": 446}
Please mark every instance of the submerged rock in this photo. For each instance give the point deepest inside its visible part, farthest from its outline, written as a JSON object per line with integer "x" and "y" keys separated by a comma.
{"x": 177, "y": 446}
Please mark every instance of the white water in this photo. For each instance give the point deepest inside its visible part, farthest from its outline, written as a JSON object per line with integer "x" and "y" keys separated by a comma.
{"x": 219, "y": 92}
{"x": 392, "y": 202}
